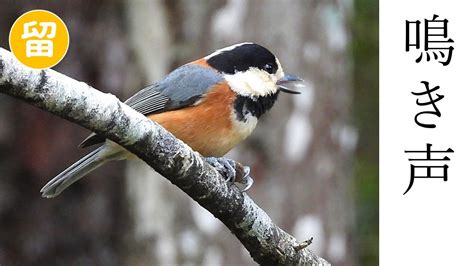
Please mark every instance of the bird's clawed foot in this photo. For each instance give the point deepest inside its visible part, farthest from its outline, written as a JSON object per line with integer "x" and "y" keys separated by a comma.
{"x": 233, "y": 171}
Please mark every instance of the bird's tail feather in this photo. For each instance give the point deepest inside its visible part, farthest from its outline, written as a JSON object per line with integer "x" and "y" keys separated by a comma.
{"x": 76, "y": 171}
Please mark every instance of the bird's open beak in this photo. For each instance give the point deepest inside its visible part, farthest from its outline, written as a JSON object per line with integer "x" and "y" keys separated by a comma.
{"x": 286, "y": 79}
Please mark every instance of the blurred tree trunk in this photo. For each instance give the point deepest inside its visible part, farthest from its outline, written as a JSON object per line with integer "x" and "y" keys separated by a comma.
{"x": 152, "y": 208}
{"x": 301, "y": 151}
{"x": 83, "y": 225}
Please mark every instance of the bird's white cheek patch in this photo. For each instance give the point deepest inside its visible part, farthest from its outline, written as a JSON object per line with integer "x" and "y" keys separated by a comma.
{"x": 253, "y": 82}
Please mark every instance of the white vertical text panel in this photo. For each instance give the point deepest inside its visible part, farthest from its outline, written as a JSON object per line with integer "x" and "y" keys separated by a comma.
{"x": 433, "y": 224}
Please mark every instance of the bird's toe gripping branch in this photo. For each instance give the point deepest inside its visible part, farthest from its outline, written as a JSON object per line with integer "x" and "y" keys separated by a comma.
{"x": 233, "y": 171}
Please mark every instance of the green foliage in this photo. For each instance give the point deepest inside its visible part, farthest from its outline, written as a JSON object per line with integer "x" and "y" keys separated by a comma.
{"x": 366, "y": 80}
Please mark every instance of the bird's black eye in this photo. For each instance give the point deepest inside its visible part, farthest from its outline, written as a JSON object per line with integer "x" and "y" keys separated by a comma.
{"x": 270, "y": 68}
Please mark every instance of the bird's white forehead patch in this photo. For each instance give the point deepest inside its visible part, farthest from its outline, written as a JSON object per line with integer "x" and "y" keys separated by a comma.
{"x": 229, "y": 48}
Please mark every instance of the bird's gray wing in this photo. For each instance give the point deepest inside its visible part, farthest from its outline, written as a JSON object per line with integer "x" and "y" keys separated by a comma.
{"x": 181, "y": 88}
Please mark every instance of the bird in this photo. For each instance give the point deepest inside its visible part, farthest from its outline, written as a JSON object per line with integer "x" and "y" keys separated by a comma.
{"x": 212, "y": 104}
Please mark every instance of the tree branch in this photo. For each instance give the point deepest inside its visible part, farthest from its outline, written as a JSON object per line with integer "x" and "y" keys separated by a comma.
{"x": 106, "y": 115}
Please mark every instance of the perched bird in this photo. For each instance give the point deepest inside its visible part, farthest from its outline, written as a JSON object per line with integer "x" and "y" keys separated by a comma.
{"x": 211, "y": 104}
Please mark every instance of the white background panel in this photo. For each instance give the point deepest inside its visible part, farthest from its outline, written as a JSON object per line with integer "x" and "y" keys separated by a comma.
{"x": 433, "y": 224}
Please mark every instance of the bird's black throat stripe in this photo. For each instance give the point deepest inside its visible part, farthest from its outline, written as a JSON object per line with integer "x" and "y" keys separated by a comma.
{"x": 256, "y": 106}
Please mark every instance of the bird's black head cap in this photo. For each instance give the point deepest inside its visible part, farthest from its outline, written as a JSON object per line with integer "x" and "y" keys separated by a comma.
{"x": 241, "y": 57}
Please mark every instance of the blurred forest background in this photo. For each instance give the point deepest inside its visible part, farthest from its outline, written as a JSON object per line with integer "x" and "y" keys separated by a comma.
{"x": 314, "y": 156}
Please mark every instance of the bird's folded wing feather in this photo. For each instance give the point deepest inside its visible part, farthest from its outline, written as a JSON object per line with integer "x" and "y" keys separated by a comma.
{"x": 181, "y": 88}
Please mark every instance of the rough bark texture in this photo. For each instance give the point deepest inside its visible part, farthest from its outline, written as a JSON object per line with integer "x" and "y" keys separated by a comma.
{"x": 106, "y": 115}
